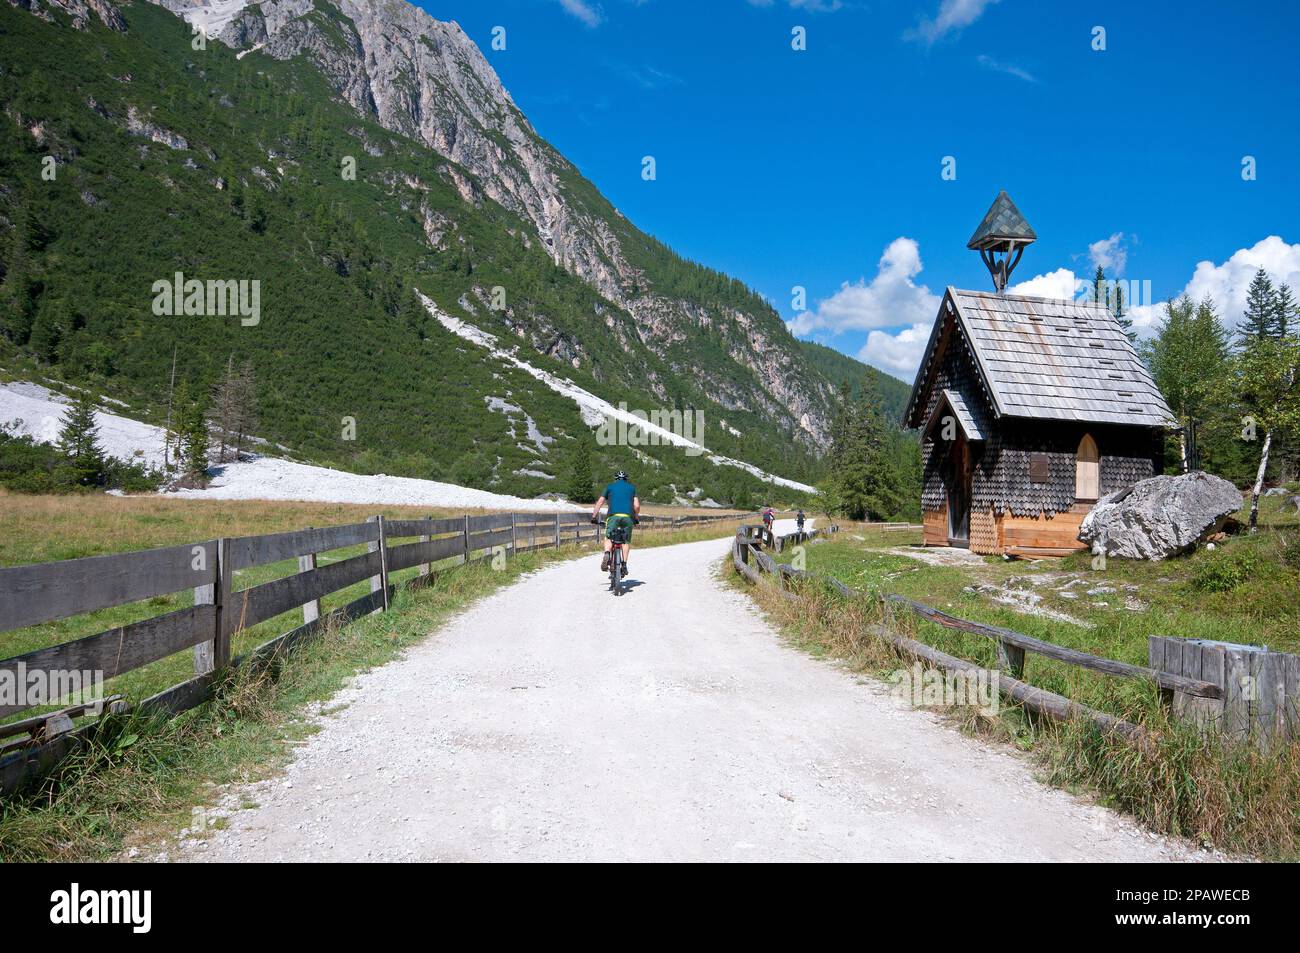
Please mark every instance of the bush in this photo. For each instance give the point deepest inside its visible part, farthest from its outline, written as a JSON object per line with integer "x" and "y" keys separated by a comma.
{"x": 1226, "y": 569}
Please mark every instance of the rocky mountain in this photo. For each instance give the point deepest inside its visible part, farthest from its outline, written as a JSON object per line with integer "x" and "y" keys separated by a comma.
{"x": 462, "y": 198}
{"x": 428, "y": 80}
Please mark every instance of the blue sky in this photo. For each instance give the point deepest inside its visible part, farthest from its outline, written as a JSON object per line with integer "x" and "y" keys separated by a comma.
{"x": 821, "y": 168}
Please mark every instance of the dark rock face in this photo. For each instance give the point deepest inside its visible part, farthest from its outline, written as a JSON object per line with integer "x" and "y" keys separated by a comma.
{"x": 1159, "y": 517}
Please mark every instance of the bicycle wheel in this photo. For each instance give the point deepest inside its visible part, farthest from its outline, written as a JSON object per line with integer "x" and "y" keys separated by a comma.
{"x": 616, "y": 570}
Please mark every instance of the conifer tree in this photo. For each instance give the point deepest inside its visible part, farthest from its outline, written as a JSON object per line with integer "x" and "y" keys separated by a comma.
{"x": 79, "y": 442}
{"x": 194, "y": 441}
{"x": 580, "y": 478}
{"x": 1260, "y": 317}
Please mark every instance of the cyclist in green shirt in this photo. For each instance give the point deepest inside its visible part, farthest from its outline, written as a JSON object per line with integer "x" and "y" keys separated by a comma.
{"x": 624, "y": 510}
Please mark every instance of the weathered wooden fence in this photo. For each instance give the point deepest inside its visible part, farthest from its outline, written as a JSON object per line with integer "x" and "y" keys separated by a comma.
{"x": 1246, "y": 692}
{"x": 46, "y": 592}
{"x": 1259, "y": 690}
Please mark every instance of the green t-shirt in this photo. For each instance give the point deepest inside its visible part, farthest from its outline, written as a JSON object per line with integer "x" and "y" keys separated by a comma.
{"x": 619, "y": 496}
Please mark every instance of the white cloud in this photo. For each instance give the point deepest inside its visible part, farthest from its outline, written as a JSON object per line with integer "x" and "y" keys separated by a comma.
{"x": 953, "y": 17}
{"x": 890, "y": 299}
{"x": 1062, "y": 283}
{"x": 1110, "y": 254}
{"x": 590, "y": 14}
{"x": 899, "y": 354}
{"x": 1227, "y": 283}
{"x": 1011, "y": 69}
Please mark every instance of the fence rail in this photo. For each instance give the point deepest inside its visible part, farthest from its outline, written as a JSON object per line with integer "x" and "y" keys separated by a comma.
{"x": 746, "y": 551}
{"x": 48, "y": 592}
{"x": 1244, "y": 693}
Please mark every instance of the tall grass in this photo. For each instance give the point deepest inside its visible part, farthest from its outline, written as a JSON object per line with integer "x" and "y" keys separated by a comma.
{"x": 1183, "y": 783}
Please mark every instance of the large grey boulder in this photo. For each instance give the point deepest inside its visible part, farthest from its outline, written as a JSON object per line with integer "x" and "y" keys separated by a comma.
{"x": 1159, "y": 517}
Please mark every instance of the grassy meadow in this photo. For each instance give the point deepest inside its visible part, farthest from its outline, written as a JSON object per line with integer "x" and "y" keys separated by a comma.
{"x": 1246, "y": 590}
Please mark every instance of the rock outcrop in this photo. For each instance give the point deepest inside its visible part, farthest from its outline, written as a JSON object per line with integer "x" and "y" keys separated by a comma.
{"x": 1159, "y": 517}
{"x": 428, "y": 80}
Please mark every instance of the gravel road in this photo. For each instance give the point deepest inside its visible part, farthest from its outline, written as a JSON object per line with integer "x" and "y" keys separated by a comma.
{"x": 550, "y": 722}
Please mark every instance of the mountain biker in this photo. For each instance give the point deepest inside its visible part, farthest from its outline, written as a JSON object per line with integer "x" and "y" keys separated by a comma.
{"x": 624, "y": 512}
{"x": 769, "y": 514}
{"x": 799, "y": 520}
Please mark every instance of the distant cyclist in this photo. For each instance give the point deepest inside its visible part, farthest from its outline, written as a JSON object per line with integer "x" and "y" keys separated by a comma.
{"x": 799, "y": 520}
{"x": 769, "y": 514}
{"x": 624, "y": 511}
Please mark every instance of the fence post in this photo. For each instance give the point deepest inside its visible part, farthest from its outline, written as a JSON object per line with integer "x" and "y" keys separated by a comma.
{"x": 1011, "y": 659}
{"x": 424, "y": 568}
{"x": 207, "y": 596}
{"x": 557, "y": 530}
{"x": 379, "y": 583}
{"x": 466, "y": 532}
{"x": 310, "y": 609}
{"x": 215, "y": 654}
{"x": 514, "y": 536}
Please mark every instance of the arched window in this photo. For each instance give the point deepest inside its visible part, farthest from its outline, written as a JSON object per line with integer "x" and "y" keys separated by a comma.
{"x": 1087, "y": 470}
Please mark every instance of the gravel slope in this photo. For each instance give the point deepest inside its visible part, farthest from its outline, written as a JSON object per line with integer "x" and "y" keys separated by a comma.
{"x": 550, "y": 722}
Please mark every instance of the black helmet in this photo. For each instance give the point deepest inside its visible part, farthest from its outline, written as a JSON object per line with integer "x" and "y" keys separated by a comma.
{"x": 620, "y": 475}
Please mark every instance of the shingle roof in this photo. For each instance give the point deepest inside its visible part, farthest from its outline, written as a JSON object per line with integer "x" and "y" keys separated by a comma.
{"x": 1050, "y": 359}
{"x": 961, "y": 409}
{"x": 1003, "y": 220}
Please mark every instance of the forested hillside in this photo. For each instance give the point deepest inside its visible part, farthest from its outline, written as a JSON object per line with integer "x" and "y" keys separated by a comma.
{"x": 127, "y": 156}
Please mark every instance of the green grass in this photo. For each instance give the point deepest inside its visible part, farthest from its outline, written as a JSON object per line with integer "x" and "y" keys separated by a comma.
{"x": 116, "y": 794}
{"x": 1246, "y": 590}
{"x": 1243, "y": 591}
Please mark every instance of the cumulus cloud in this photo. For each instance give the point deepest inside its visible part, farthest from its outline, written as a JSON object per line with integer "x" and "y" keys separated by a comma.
{"x": 1228, "y": 282}
{"x": 1110, "y": 254}
{"x": 898, "y": 354}
{"x": 1062, "y": 283}
{"x": 890, "y": 299}
{"x": 953, "y": 17}
{"x": 588, "y": 13}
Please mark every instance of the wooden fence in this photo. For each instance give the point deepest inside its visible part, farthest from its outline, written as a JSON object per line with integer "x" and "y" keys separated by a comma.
{"x": 46, "y": 592}
{"x": 1259, "y": 690}
{"x": 1245, "y": 692}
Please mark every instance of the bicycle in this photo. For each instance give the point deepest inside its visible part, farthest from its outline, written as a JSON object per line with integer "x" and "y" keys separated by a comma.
{"x": 617, "y": 536}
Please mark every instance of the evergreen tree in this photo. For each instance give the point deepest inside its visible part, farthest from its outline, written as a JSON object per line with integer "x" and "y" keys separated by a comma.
{"x": 1126, "y": 324}
{"x": 1260, "y": 319}
{"x": 1112, "y": 296}
{"x": 194, "y": 441}
{"x": 1285, "y": 311}
{"x": 864, "y": 482}
{"x": 580, "y": 478}
{"x": 79, "y": 443}
{"x": 1266, "y": 371}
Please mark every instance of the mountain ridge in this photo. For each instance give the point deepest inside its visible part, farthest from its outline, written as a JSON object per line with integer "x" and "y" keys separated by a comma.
{"x": 245, "y": 143}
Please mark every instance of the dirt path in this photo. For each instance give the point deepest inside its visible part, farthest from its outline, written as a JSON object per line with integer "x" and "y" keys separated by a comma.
{"x": 551, "y": 722}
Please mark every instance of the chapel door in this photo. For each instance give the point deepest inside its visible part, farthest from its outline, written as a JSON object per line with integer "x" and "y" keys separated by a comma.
{"x": 957, "y": 479}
